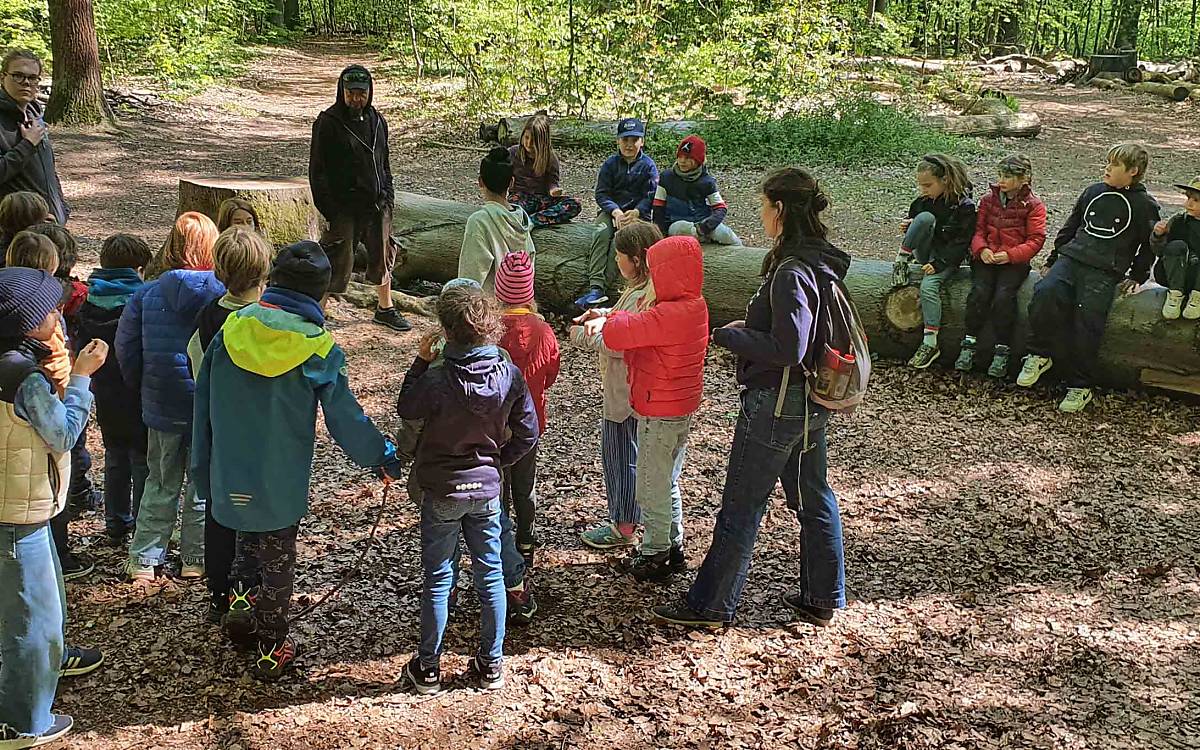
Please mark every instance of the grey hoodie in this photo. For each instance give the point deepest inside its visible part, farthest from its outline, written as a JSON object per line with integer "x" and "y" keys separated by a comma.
{"x": 24, "y": 166}
{"x": 491, "y": 233}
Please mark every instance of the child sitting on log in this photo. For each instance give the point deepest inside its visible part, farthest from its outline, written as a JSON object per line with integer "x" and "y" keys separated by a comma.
{"x": 18, "y": 212}
{"x": 618, "y": 433}
{"x": 263, "y": 375}
{"x": 478, "y": 420}
{"x": 1106, "y": 237}
{"x": 241, "y": 261}
{"x": 664, "y": 347}
{"x": 1176, "y": 242}
{"x": 535, "y": 176}
{"x": 937, "y": 234}
{"x": 624, "y": 193}
{"x": 1009, "y": 231}
{"x": 687, "y": 201}
{"x": 497, "y": 229}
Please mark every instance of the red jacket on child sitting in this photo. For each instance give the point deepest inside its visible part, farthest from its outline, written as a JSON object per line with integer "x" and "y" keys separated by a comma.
{"x": 665, "y": 345}
{"x": 1017, "y": 228}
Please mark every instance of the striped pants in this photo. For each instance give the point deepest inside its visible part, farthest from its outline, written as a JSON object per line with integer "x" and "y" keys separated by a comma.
{"x": 618, "y": 453}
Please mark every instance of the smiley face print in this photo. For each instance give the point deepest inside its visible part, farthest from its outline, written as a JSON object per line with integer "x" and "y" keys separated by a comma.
{"x": 1107, "y": 216}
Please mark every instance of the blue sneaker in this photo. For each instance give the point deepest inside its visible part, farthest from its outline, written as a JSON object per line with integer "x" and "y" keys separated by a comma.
{"x": 594, "y": 297}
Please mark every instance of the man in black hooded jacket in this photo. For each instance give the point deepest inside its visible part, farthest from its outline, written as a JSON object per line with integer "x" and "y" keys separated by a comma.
{"x": 351, "y": 179}
{"x": 26, "y": 157}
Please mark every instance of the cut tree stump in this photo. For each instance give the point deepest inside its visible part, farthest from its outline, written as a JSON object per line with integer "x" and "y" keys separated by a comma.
{"x": 1137, "y": 340}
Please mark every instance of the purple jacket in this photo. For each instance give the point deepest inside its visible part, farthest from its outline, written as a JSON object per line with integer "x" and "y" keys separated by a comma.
{"x": 478, "y": 417}
{"x": 780, "y": 316}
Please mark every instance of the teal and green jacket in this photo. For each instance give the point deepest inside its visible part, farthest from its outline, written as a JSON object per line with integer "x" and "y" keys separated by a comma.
{"x": 256, "y": 409}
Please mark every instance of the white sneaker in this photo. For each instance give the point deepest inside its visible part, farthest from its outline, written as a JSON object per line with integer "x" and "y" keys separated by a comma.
{"x": 1192, "y": 311}
{"x": 191, "y": 572}
{"x": 1076, "y": 399}
{"x": 1173, "y": 304}
{"x": 1033, "y": 368}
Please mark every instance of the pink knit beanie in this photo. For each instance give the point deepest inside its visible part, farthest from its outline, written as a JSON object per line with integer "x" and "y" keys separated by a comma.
{"x": 514, "y": 279}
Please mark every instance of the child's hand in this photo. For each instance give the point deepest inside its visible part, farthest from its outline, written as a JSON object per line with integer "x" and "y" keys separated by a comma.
{"x": 928, "y": 269}
{"x": 425, "y": 351}
{"x": 1161, "y": 227}
{"x": 590, "y": 314}
{"x": 904, "y": 225}
{"x": 91, "y": 358}
{"x": 1128, "y": 287}
{"x": 986, "y": 256}
{"x": 735, "y": 324}
{"x": 1000, "y": 258}
{"x": 556, "y": 192}
{"x": 594, "y": 326}
{"x": 617, "y": 216}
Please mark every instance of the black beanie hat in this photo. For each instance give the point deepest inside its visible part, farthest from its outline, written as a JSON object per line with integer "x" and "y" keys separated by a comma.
{"x": 27, "y": 296}
{"x": 302, "y": 267}
{"x": 496, "y": 171}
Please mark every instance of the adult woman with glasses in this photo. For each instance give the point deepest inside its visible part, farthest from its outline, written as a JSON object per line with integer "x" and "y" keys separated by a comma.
{"x": 26, "y": 157}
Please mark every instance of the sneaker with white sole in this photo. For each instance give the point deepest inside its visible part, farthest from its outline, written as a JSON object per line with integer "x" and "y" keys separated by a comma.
{"x": 11, "y": 739}
{"x": 926, "y": 355}
{"x": 999, "y": 366}
{"x": 191, "y": 572}
{"x": 1173, "y": 305}
{"x": 424, "y": 681}
{"x": 1192, "y": 311}
{"x": 1032, "y": 368}
{"x": 607, "y": 536}
{"x": 490, "y": 676}
{"x": 79, "y": 661}
{"x": 1076, "y": 400}
{"x": 135, "y": 572}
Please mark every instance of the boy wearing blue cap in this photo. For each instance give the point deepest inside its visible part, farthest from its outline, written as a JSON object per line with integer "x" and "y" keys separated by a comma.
{"x": 624, "y": 193}
{"x": 263, "y": 375}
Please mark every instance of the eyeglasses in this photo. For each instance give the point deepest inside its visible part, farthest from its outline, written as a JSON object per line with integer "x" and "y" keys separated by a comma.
{"x": 23, "y": 78}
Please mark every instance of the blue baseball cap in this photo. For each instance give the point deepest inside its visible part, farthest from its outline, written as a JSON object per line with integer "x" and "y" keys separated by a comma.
{"x": 631, "y": 127}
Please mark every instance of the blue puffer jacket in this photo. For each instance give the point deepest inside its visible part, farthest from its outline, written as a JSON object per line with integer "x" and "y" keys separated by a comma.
{"x": 152, "y": 340}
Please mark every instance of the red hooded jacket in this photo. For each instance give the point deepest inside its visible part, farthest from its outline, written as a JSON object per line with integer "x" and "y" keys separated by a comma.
{"x": 531, "y": 345}
{"x": 665, "y": 345}
{"x": 1018, "y": 228}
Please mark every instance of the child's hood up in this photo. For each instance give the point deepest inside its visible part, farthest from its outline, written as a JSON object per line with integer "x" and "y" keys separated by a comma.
{"x": 185, "y": 292}
{"x": 276, "y": 335}
{"x": 340, "y": 103}
{"x": 479, "y": 377}
{"x": 676, "y": 269}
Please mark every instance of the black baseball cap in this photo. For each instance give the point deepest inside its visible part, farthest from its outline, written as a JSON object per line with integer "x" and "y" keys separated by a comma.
{"x": 357, "y": 79}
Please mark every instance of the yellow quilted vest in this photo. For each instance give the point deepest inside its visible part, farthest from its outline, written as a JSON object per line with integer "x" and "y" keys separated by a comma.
{"x": 33, "y": 479}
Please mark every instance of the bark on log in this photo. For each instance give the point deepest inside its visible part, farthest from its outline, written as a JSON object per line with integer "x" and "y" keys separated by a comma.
{"x": 1109, "y": 84}
{"x": 1009, "y": 124}
{"x": 1139, "y": 347}
{"x": 1174, "y": 91}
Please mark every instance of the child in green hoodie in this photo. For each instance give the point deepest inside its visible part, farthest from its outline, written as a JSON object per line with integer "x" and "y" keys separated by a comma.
{"x": 497, "y": 229}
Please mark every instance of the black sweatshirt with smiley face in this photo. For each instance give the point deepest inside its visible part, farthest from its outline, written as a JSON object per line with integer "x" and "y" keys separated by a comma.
{"x": 1110, "y": 229}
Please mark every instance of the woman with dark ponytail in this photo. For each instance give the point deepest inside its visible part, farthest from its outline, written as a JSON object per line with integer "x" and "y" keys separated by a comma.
{"x": 772, "y": 438}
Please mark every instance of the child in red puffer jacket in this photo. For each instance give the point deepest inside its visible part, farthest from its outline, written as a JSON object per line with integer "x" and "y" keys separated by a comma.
{"x": 1009, "y": 231}
{"x": 664, "y": 349}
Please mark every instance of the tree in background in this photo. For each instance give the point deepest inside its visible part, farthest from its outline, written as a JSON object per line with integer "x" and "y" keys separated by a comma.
{"x": 77, "y": 97}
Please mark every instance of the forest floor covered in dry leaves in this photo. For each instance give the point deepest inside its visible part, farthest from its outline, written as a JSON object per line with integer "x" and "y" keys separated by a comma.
{"x": 1020, "y": 578}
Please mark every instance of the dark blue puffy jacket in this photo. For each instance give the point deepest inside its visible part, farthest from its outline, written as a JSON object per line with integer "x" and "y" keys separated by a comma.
{"x": 152, "y": 340}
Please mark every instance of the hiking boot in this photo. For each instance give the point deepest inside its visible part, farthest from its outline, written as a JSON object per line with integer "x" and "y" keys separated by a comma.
{"x": 593, "y": 297}
{"x": 1033, "y": 368}
{"x": 683, "y": 615}
{"x": 274, "y": 659}
{"x": 79, "y": 661}
{"x": 999, "y": 366}
{"x": 490, "y": 676}
{"x": 1076, "y": 399}
{"x": 424, "y": 681}
{"x": 389, "y": 318}
{"x": 900, "y": 272}
{"x": 1173, "y": 306}
{"x": 1192, "y": 311}
{"x": 966, "y": 357}
{"x": 76, "y": 566}
{"x": 607, "y": 536}
{"x": 655, "y": 568}
{"x": 11, "y": 739}
{"x": 238, "y": 623}
{"x": 817, "y": 616}
{"x": 521, "y": 605}
{"x": 926, "y": 355}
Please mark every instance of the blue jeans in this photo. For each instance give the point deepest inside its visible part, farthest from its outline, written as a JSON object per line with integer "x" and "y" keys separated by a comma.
{"x": 32, "y": 613}
{"x": 512, "y": 562}
{"x": 762, "y": 447}
{"x": 479, "y": 522}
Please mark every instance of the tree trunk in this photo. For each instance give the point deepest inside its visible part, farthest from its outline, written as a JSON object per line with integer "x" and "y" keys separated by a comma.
{"x": 1125, "y": 23}
{"x": 1008, "y": 26}
{"x": 77, "y": 97}
{"x": 291, "y": 14}
{"x": 1139, "y": 347}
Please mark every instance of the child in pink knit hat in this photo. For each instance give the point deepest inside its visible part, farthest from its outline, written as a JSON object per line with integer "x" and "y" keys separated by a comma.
{"x": 531, "y": 344}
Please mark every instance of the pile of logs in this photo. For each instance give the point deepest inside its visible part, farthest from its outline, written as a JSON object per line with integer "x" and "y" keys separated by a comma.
{"x": 1148, "y": 82}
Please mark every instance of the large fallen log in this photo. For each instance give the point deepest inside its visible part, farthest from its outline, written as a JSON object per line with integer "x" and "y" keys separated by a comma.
{"x": 571, "y": 132}
{"x": 1001, "y": 124}
{"x": 1176, "y": 92}
{"x": 1139, "y": 346}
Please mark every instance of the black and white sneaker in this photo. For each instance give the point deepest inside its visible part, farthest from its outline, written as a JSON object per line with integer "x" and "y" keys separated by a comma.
{"x": 491, "y": 676}
{"x": 79, "y": 661}
{"x": 11, "y": 739}
{"x": 656, "y": 568}
{"x": 76, "y": 566}
{"x": 424, "y": 681}
{"x": 389, "y": 318}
